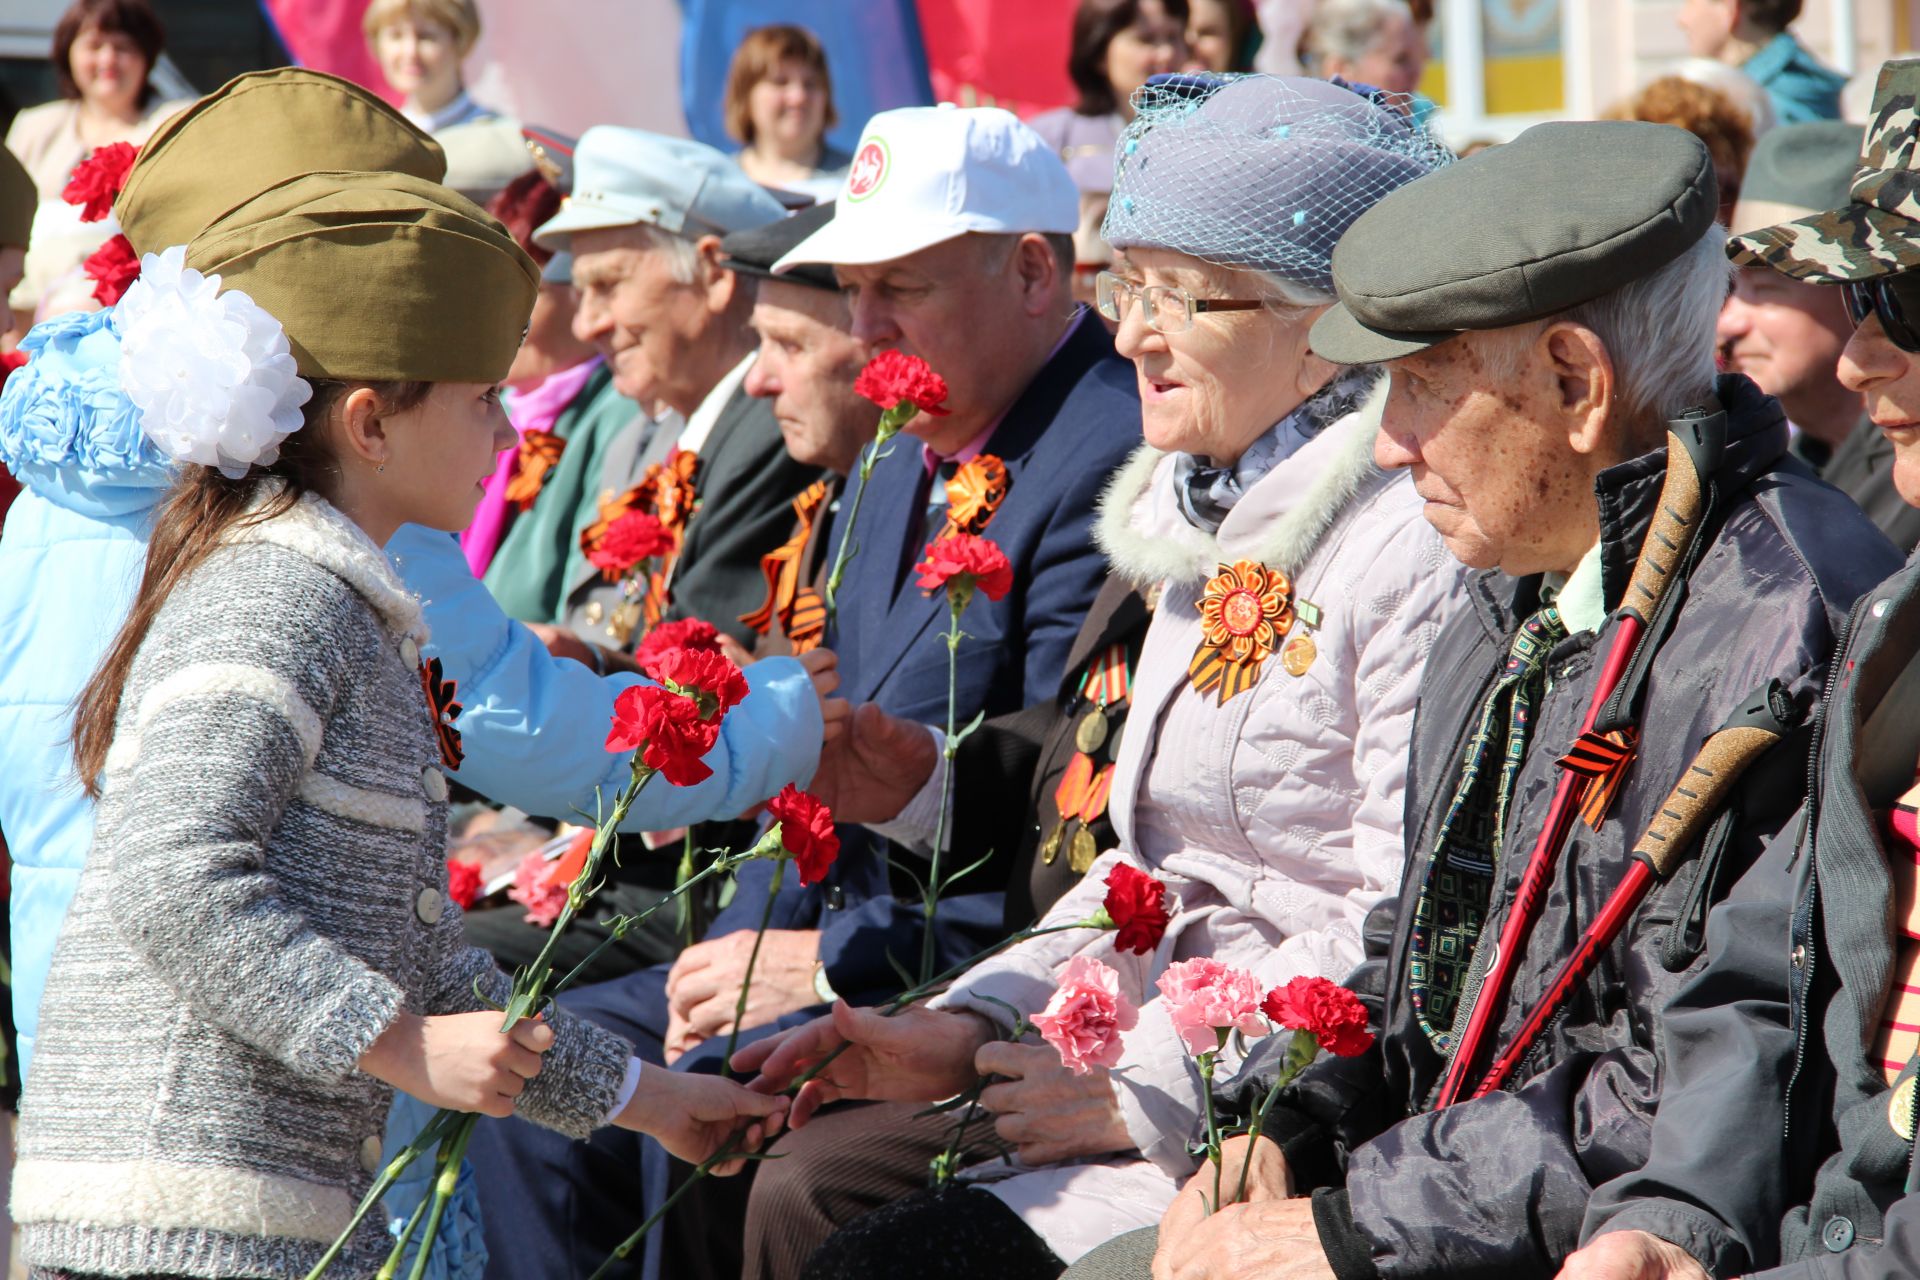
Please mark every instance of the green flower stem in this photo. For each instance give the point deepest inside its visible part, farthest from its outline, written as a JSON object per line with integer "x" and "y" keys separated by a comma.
{"x": 452, "y": 1154}
{"x": 1213, "y": 1123}
{"x": 683, "y": 906}
{"x": 627, "y": 1246}
{"x": 753, "y": 958}
{"x": 429, "y": 1136}
{"x": 890, "y": 423}
{"x": 391, "y": 1266}
{"x": 620, "y": 926}
{"x": 1301, "y": 1050}
{"x": 958, "y": 593}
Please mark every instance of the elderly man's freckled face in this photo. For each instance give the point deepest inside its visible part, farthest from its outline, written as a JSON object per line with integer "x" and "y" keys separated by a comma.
{"x": 1492, "y": 466}
{"x": 806, "y": 364}
{"x": 633, "y": 311}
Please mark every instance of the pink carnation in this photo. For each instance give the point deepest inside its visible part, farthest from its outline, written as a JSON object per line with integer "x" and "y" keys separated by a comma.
{"x": 536, "y": 888}
{"x": 1086, "y": 1016}
{"x": 1205, "y": 997}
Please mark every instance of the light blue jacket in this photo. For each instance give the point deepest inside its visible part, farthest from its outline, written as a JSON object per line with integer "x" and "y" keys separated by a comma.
{"x": 534, "y": 727}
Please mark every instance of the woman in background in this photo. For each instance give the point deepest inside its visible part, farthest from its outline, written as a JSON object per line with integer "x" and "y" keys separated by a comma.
{"x": 420, "y": 45}
{"x": 779, "y": 106}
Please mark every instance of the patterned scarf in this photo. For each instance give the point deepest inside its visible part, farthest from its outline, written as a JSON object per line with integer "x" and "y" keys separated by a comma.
{"x": 1206, "y": 492}
{"x": 1466, "y": 851}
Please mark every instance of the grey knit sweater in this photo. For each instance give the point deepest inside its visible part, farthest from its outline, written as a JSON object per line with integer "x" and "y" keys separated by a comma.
{"x": 267, "y": 889}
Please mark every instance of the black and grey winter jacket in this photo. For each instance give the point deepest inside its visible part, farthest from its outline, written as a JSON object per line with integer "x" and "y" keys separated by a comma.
{"x": 1791, "y": 1001}
{"x": 1498, "y": 1186}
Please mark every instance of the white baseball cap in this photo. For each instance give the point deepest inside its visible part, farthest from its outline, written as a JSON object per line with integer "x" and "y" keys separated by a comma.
{"x": 923, "y": 175}
{"x": 622, "y": 177}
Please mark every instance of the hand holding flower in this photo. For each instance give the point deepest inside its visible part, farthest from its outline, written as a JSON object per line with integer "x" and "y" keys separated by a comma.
{"x": 461, "y": 1061}
{"x": 693, "y": 1116}
{"x": 919, "y": 1055}
{"x": 1046, "y": 1110}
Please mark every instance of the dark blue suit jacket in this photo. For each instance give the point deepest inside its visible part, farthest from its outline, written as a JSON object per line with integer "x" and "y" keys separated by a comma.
{"x": 1061, "y": 440}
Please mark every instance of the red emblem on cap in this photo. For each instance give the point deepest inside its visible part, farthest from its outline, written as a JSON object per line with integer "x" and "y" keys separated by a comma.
{"x": 868, "y": 170}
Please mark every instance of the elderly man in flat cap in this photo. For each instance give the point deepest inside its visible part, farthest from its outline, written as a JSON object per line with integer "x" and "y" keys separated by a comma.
{"x": 1551, "y": 359}
{"x": 1787, "y": 334}
{"x": 1819, "y": 1113}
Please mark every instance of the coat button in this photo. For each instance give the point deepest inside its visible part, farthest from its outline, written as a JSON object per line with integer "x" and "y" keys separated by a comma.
{"x": 434, "y": 783}
{"x": 1798, "y": 956}
{"x": 370, "y": 1149}
{"x": 410, "y": 652}
{"x": 430, "y": 905}
{"x": 1838, "y": 1233}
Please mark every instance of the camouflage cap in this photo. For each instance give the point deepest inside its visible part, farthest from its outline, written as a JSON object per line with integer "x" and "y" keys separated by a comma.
{"x": 1877, "y": 232}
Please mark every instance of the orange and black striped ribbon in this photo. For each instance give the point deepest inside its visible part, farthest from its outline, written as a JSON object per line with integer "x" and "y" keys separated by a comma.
{"x": 441, "y": 705}
{"x": 974, "y": 493}
{"x": 782, "y": 566}
{"x": 1211, "y": 669}
{"x": 539, "y": 451}
{"x": 1603, "y": 760}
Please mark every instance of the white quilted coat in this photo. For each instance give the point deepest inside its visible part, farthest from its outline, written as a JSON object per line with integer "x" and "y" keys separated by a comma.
{"x": 1275, "y": 820}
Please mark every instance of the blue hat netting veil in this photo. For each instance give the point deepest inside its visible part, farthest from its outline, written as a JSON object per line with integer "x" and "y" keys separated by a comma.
{"x": 1262, "y": 172}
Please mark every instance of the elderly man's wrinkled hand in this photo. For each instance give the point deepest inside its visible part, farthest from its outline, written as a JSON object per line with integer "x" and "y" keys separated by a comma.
{"x": 1268, "y": 1178}
{"x": 870, "y": 772}
{"x": 917, "y": 1056}
{"x": 1632, "y": 1255}
{"x": 1272, "y": 1240}
{"x": 694, "y": 1115}
{"x": 703, "y": 987}
{"x": 1047, "y": 1111}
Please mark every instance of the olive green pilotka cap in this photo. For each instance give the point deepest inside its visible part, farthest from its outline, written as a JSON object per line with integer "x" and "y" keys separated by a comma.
{"x": 1563, "y": 214}
{"x": 256, "y": 130}
{"x": 17, "y": 201}
{"x": 377, "y": 276}
{"x": 1874, "y": 230}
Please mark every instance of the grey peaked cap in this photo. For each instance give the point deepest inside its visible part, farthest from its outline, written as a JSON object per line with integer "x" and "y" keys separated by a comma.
{"x": 1563, "y": 214}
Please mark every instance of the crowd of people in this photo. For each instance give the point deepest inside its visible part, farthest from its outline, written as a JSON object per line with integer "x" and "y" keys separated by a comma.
{"x": 1376, "y": 567}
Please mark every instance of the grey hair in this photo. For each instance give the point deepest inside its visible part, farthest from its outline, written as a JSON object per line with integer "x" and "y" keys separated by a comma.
{"x": 682, "y": 255}
{"x": 1345, "y": 28}
{"x": 1658, "y": 331}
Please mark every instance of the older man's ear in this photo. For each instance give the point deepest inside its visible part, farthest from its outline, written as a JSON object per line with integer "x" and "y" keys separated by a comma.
{"x": 1583, "y": 372}
{"x": 721, "y": 285}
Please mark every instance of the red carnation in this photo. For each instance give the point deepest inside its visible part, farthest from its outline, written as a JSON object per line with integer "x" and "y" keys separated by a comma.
{"x": 98, "y": 179}
{"x": 634, "y": 537}
{"x": 806, "y": 832}
{"x": 1137, "y": 905}
{"x": 113, "y": 268}
{"x": 705, "y": 674}
{"x": 1329, "y": 1012}
{"x": 9, "y": 361}
{"x": 967, "y": 561}
{"x": 687, "y": 633}
{"x": 894, "y": 378}
{"x": 667, "y": 728}
{"x": 463, "y": 883}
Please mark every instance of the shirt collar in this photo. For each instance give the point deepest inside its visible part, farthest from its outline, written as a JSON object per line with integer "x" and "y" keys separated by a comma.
{"x": 1773, "y": 57}
{"x": 456, "y": 112}
{"x": 699, "y": 426}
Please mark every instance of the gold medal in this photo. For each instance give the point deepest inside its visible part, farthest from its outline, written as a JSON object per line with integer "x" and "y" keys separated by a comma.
{"x": 1900, "y": 1109}
{"x": 1084, "y": 851}
{"x": 625, "y": 617}
{"x": 1299, "y": 655}
{"x": 1050, "y": 850}
{"x": 1092, "y": 732}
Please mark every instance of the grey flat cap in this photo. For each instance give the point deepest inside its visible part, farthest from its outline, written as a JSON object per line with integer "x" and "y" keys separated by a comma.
{"x": 1561, "y": 215}
{"x": 754, "y": 251}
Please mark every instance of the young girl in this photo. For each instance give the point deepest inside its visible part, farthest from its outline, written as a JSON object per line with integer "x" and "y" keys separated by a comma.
{"x": 262, "y": 948}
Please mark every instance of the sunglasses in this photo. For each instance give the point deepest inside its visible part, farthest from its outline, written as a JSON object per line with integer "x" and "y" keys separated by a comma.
{"x": 1895, "y": 299}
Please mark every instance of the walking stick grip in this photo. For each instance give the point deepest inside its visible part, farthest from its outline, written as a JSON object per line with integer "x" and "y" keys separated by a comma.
{"x": 1693, "y": 449}
{"x": 1699, "y": 795}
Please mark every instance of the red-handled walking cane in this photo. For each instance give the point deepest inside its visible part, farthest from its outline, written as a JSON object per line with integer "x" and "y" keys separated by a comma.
{"x": 1762, "y": 720}
{"x": 1694, "y": 444}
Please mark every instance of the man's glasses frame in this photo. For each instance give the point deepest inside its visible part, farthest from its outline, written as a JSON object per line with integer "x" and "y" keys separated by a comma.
{"x": 1895, "y": 299}
{"x": 1169, "y": 308}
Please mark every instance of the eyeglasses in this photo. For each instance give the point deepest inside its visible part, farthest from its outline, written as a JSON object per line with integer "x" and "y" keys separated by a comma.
{"x": 1895, "y": 299}
{"x": 1169, "y": 308}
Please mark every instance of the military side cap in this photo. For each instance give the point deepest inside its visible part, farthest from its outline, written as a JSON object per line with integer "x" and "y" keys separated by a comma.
{"x": 252, "y": 132}
{"x": 1563, "y": 214}
{"x": 1875, "y": 230}
{"x": 753, "y": 252}
{"x": 1796, "y": 170}
{"x": 377, "y": 276}
{"x": 17, "y": 201}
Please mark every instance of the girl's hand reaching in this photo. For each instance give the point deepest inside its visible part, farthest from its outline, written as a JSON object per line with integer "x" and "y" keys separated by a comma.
{"x": 462, "y": 1061}
{"x": 693, "y": 1115}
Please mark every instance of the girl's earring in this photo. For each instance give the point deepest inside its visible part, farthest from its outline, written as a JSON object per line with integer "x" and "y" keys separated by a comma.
{"x": 381, "y": 469}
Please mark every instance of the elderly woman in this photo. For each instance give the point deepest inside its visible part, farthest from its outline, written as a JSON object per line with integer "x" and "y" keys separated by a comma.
{"x": 1261, "y": 775}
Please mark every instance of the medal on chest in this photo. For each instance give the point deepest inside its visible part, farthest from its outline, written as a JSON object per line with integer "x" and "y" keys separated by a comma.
{"x": 1087, "y": 786}
{"x": 1244, "y": 611}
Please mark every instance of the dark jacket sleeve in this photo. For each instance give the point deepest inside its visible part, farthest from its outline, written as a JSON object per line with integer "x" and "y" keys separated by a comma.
{"x": 1715, "y": 1184}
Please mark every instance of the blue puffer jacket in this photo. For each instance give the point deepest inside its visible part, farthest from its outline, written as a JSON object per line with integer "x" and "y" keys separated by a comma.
{"x": 534, "y": 727}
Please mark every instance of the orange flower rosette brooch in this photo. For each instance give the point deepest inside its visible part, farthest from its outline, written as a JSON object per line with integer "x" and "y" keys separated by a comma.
{"x": 1245, "y": 610}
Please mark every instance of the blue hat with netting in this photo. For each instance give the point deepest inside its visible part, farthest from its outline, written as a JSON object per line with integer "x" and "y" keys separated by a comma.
{"x": 1262, "y": 172}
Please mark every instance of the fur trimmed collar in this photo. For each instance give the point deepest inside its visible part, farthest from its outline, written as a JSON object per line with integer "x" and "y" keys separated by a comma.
{"x": 1278, "y": 522}
{"x": 314, "y": 528}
